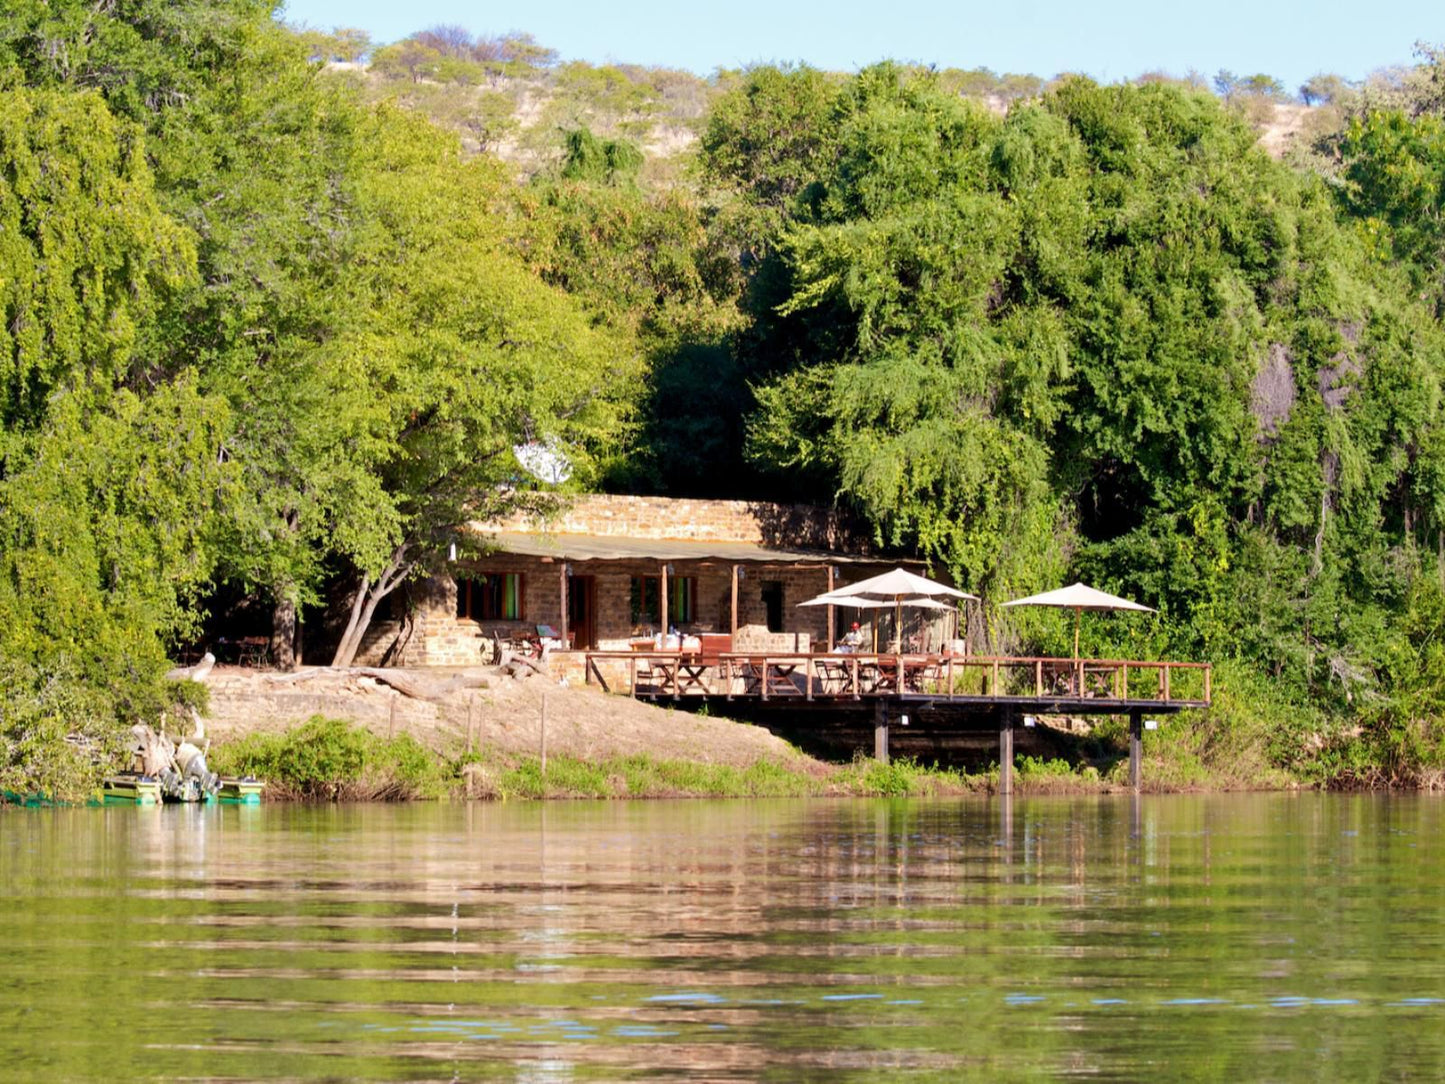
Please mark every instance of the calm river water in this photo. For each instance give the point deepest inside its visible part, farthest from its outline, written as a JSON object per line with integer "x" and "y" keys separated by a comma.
{"x": 1283, "y": 937}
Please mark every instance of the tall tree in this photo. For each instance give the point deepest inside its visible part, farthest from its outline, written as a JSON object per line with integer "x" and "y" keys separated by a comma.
{"x": 468, "y": 353}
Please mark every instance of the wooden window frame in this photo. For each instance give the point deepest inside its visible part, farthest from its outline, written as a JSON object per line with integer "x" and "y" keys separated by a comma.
{"x": 643, "y": 591}
{"x": 469, "y": 600}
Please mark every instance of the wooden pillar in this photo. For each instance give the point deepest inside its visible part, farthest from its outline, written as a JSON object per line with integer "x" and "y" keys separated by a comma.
{"x": 734, "y": 629}
{"x": 1136, "y": 748}
{"x": 880, "y": 731}
{"x": 662, "y": 602}
{"x": 562, "y": 577}
{"x": 1006, "y": 752}
{"x": 829, "y": 640}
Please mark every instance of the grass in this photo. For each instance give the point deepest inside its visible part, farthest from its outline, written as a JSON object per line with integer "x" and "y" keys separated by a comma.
{"x": 329, "y": 759}
{"x": 642, "y": 776}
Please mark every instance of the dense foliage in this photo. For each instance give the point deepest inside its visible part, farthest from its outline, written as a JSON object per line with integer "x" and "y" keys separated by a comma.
{"x": 1107, "y": 336}
{"x": 267, "y": 329}
{"x": 256, "y": 333}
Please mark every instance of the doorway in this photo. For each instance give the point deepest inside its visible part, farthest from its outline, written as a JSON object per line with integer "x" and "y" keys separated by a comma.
{"x": 582, "y": 612}
{"x": 773, "y": 604}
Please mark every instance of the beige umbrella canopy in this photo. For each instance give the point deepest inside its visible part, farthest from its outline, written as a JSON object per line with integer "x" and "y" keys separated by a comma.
{"x": 900, "y": 583}
{"x": 1080, "y": 597}
{"x": 898, "y": 589}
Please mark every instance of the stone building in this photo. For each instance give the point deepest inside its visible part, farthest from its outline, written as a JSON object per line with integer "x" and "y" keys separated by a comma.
{"x": 611, "y": 571}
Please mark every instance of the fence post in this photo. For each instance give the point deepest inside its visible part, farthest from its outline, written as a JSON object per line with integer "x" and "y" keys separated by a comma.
{"x": 880, "y": 731}
{"x": 1136, "y": 748}
{"x": 1006, "y": 752}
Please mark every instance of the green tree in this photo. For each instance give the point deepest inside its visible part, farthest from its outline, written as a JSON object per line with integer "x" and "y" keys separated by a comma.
{"x": 108, "y": 485}
{"x": 1107, "y": 331}
{"x": 467, "y": 352}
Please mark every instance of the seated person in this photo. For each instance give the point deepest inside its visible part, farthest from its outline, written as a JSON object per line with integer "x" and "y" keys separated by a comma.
{"x": 852, "y": 640}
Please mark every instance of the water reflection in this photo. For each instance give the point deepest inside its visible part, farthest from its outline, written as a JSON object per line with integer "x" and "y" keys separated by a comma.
{"x": 1241, "y": 935}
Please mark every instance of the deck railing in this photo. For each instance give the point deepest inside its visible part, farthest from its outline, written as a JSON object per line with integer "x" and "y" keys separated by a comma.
{"x": 810, "y": 677}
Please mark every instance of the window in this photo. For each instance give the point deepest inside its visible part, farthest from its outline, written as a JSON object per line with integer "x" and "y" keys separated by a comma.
{"x": 681, "y": 599}
{"x": 496, "y": 596}
{"x": 773, "y": 604}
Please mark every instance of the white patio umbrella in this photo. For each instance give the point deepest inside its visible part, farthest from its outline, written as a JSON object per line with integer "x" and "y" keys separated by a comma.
{"x": 900, "y": 583}
{"x": 899, "y": 588}
{"x": 834, "y": 599}
{"x": 1080, "y": 597}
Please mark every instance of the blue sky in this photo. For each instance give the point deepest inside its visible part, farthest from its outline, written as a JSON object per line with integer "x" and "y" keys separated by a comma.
{"x": 1109, "y": 39}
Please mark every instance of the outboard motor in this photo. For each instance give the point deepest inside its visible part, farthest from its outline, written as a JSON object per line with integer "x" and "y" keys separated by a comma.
{"x": 192, "y": 763}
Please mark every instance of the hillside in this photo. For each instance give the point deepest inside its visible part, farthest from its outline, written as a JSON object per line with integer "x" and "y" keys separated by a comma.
{"x": 519, "y": 115}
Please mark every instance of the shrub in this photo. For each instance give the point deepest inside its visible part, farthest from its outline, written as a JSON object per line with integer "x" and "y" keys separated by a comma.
{"x": 336, "y": 760}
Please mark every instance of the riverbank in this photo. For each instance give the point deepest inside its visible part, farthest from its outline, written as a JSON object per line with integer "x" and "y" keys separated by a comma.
{"x": 478, "y": 733}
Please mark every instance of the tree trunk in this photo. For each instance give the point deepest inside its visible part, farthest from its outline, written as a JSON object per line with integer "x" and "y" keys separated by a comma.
{"x": 283, "y": 635}
{"x": 346, "y": 637}
{"x": 368, "y": 595}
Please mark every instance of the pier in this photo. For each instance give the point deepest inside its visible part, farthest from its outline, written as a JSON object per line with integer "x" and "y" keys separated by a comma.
{"x": 970, "y": 692}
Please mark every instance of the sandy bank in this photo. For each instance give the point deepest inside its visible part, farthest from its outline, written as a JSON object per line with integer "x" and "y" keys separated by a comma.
{"x": 505, "y": 714}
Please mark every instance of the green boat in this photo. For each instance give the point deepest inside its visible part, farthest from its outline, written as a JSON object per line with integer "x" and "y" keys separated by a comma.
{"x": 239, "y": 791}
{"x": 130, "y": 788}
{"x": 133, "y": 788}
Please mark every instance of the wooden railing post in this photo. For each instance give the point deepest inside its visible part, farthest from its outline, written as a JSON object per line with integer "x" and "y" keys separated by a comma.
{"x": 1038, "y": 677}
{"x": 632, "y": 676}
{"x": 808, "y": 676}
{"x": 952, "y": 692}
{"x": 1124, "y": 675}
{"x": 765, "y": 678}
{"x": 1208, "y": 673}
{"x": 994, "y": 690}
{"x": 1166, "y": 683}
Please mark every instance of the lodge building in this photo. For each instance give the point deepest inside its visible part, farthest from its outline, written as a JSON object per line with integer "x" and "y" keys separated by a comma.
{"x": 597, "y": 574}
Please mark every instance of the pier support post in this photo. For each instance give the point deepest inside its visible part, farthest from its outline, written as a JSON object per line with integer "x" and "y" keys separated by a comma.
{"x": 880, "y": 732}
{"x": 1006, "y": 751}
{"x": 1136, "y": 748}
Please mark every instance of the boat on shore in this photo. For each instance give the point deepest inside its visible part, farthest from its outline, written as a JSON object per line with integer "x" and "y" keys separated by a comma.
{"x": 134, "y": 788}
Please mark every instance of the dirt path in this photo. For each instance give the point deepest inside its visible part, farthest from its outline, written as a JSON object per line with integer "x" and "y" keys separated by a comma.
{"x": 505, "y": 714}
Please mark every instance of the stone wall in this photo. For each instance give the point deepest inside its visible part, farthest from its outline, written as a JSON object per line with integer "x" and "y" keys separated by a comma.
{"x": 759, "y": 522}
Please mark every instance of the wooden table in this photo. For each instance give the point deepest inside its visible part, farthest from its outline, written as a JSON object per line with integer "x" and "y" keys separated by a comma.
{"x": 838, "y": 676}
{"x": 691, "y": 673}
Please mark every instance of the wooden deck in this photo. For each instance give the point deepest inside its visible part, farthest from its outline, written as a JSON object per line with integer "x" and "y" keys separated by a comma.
{"x": 975, "y": 691}
{"x": 989, "y": 683}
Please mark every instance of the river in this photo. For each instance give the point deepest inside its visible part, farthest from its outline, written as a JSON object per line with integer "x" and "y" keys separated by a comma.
{"x": 1222, "y": 937}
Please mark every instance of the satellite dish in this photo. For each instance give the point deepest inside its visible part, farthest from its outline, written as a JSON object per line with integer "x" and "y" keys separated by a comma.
{"x": 544, "y": 460}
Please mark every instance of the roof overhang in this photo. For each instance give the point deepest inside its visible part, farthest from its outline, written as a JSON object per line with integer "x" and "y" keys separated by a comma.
{"x": 591, "y": 547}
